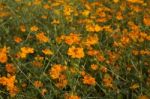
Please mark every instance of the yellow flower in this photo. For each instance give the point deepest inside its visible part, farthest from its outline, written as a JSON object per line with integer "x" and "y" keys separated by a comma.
{"x": 91, "y": 40}
{"x": 92, "y": 52}
{"x": 10, "y": 68}
{"x": 57, "y": 74}
{"x": 9, "y": 82}
{"x": 76, "y": 52}
{"x": 116, "y": 1}
{"x": 67, "y": 10}
{"x": 3, "y": 55}
{"x": 94, "y": 67}
{"x": 62, "y": 81}
{"x": 71, "y": 97}
{"x": 44, "y": 91}
{"x": 97, "y": 28}
{"x": 85, "y": 12}
{"x": 107, "y": 81}
{"x": 46, "y": 6}
{"x": 134, "y": 86}
{"x": 41, "y": 37}
{"x": 119, "y": 16}
{"x": 55, "y": 21}
{"x": 34, "y": 28}
{"x": 56, "y": 70}
{"x": 72, "y": 38}
{"x": 136, "y": 1}
{"x": 25, "y": 51}
{"x": 38, "y": 84}
{"x": 22, "y": 28}
{"x": 37, "y": 2}
{"x": 93, "y": 28}
{"x": 146, "y": 20}
{"x": 143, "y": 97}
{"x": 89, "y": 80}
{"x": 47, "y": 52}
{"x": 17, "y": 39}
{"x": 22, "y": 55}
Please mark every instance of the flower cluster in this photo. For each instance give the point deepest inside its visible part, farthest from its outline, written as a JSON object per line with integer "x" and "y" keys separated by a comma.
{"x": 74, "y": 49}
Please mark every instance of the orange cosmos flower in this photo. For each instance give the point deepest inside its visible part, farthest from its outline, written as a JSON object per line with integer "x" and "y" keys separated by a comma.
{"x": 10, "y": 68}
{"x": 3, "y": 55}
{"x": 143, "y": 97}
{"x": 41, "y": 37}
{"x": 56, "y": 71}
{"x": 89, "y": 80}
{"x": 93, "y": 28}
{"x": 34, "y": 28}
{"x": 92, "y": 40}
{"x": 55, "y": 21}
{"x": 107, "y": 81}
{"x": 146, "y": 20}
{"x": 115, "y": 1}
{"x": 94, "y": 67}
{"x": 22, "y": 28}
{"x": 25, "y": 51}
{"x": 38, "y": 84}
{"x": 92, "y": 52}
{"x": 17, "y": 39}
{"x": 72, "y": 39}
{"x": 72, "y": 97}
{"x": 103, "y": 69}
{"x": 9, "y": 82}
{"x": 44, "y": 91}
{"x": 100, "y": 58}
{"x": 62, "y": 81}
{"x": 136, "y": 1}
{"x": 76, "y": 52}
{"x": 37, "y": 64}
{"x": 46, "y": 6}
{"x": 67, "y": 10}
{"x": 85, "y": 13}
{"x": 47, "y": 52}
{"x": 37, "y": 2}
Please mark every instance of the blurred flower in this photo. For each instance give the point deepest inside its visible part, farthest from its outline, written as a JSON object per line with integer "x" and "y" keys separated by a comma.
{"x": 76, "y": 52}
{"x": 72, "y": 38}
{"x": 34, "y": 29}
{"x": 67, "y": 10}
{"x": 92, "y": 40}
{"x": 56, "y": 71}
{"x": 44, "y": 91}
{"x": 136, "y": 1}
{"x": 94, "y": 66}
{"x": 17, "y": 39}
{"x": 22, "y": 28}
{"x": 146, "y": 20}
{"x": 41, "y": 37}
{"x": 89, "y": 80}
{"x": 72, "y": 97}
{"x": 25, "y": 51}
{"x": 143, "y": 97}
{"x": 47, "y": 52}
{"x": 55, "y": 22}
{"x": 116, "y": 1}
{"x": 134, "y": 86}
{"x": 3, "y": 55}
{"x": 38, "y": 84}
{"x": 9, "y": 82}
{"x": 10, "y": 68}
{"x": 107, "y": 81}
{"x": 62, "y": 81}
